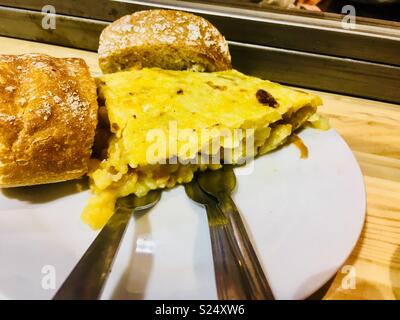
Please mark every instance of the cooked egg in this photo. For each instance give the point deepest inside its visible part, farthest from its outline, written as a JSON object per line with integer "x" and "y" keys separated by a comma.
{"x": 202, "y": 115}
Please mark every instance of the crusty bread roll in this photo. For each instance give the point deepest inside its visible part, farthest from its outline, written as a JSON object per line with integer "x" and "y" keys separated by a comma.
{"x": 48, "y": 116}
{"x": 166, "y": 39}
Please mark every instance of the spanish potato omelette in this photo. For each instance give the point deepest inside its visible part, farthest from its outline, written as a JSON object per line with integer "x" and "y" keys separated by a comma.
{"x": 141, "y": 101}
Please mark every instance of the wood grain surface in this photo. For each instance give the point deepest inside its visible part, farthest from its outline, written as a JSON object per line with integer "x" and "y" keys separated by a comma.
{"x": 372, "y": 130}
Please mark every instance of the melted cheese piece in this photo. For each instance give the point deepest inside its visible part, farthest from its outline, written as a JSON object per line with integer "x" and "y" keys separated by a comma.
{"x": 171, "y": 102}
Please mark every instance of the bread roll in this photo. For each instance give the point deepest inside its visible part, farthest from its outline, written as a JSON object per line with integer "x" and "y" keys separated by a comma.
{"x": 166, "y": 39}
{"x": 48, "y": 116}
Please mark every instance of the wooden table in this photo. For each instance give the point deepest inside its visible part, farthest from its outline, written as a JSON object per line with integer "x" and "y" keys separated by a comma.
{"x": 372, "y": 130}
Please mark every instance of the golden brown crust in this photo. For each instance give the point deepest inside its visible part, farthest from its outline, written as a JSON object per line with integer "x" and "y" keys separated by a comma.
{"x": 167, "y": 39}
{"x": 48, "y": 115}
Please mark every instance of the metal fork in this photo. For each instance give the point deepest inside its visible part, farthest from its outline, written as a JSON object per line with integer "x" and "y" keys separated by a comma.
{"x": 228, "y": 273}
{"x": 87, "y": 279}
{"x": 220, "y": 185}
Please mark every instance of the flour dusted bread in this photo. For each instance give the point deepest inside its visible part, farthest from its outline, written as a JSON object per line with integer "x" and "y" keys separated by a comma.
{"x": 48, "y": 116}
{"x": 165, "y": 39}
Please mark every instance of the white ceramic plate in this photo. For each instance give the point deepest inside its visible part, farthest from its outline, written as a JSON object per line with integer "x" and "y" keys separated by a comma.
{"x": 304, "y": 217}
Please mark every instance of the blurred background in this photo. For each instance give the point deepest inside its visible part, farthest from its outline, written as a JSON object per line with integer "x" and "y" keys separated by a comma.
{"x": 376, "y": 9}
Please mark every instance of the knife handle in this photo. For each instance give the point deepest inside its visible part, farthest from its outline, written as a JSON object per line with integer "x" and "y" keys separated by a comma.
{"x": 87, "y": 279}
{"x": 240, "y": 241}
